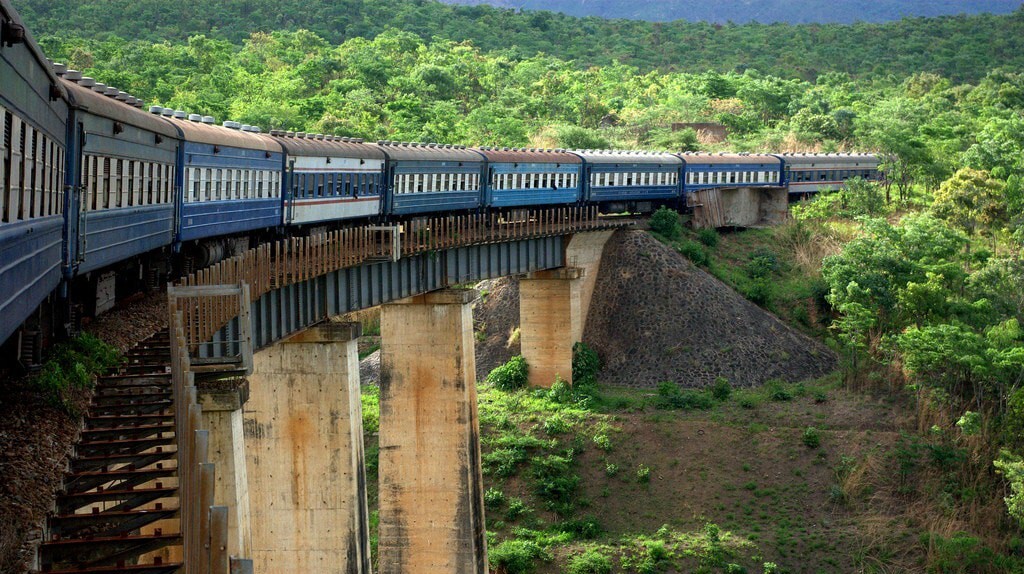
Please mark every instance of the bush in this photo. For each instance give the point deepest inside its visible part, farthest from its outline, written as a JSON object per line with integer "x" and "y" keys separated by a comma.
{"x": 556, "y": 425}
{"x": 643, "y": 474}
{"x": 708, "y": 237}
{"x": 590, "y": 562}
{"x": 695, "y": 252}
{"x": 556, "y": 482}
{"x": 575, "y": 137}
{"x": 603, "y": 442}
{"x": 670, "y": 396}
{"x": 762, "y": 263}
{"x": 665, "y": 222}
{"x": 777, "y": 391}
{"x": 581, "y": 529}
{"x": 510, "y": 376}
{"x": 71, "y": 368}
{"x": 811, "y": 438}
{"x": 721, "y": 390}
{"x": 585, "y": 365}
{"x": 759, "y": 292}
{"x": 494, "y": 499}
{"x": 516, "y": 509}
{"x": 514, "y": 556}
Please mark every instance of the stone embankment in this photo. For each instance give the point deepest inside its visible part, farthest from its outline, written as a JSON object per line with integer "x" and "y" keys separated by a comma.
{"x": 657, "y": 317}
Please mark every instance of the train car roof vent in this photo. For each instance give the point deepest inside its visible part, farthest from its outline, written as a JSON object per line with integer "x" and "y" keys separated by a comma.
{"x": 111, "y": 91}
{"x": 209, "y": 120}
{"x": 132, "y": 101}
{"x": 179, "y": 115}
{"x": 246, "y": 128}
{"x": 59, "y": 69}
{"x": 257, "y": 130}
{"x": 195, "y": 118}
{"x": 86, "y": 82}
{"x": 122, "y": 96}
{"x": 231, "y": 125}
{"x": 168, "y": 112}
{"x": 73, "y": 75}
{"x": 300, "y": 134}
{"x": 156, "y": 110}
{"x": 99, "y": 88}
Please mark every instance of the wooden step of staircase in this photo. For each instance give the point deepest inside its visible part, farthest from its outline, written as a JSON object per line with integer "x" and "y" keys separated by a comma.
{"x": 119, "y": 504}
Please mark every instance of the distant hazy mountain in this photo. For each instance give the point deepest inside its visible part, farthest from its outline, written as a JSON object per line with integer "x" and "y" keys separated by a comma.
{"x": 766, "y": 11}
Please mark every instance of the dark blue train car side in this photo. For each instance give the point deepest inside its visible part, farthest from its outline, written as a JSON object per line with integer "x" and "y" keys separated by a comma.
{"x": 123, "y": 163}
{"x": 431, "y": 178}
{"x": 705, "y": 170}
{"x": 33, "y": 118}
{"x": 230, "y": 179}
{"x": 520, "y": 177}
{"x": 630, "y": 180}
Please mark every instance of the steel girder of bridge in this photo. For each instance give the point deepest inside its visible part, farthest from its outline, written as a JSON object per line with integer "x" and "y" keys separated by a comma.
{"x": 289, "y": 309}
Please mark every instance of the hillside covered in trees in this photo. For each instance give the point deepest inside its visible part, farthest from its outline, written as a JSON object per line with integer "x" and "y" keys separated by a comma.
{"x": 962, "y": 48}
{"x": 764, "y": 11}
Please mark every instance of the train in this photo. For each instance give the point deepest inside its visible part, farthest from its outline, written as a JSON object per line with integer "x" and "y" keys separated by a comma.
{"x": 102, "y": 195}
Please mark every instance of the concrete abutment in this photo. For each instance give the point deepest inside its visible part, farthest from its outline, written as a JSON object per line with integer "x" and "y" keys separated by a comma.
{"x": 305, "y": 458}
{"x": 431, "y": 493}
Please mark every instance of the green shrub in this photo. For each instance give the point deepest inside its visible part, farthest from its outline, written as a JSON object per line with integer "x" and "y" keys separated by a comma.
{"x": 71, "y": 367}
{"x": 643, "y": 473}
{"x": 777, "y": 390}
{"x": 695, "y": 252}
{"x": 611, "y": 469}
{"x": 556, "y": 482}
{"x": 762, "y": 263}
{"x": 670, "y": 396}
{"x": 502, "y": 462}
{"x": 510, "y": 376}
{"x": 514, "y": 556}
{"x": 576, "y": 137}
{"x": 759, "y": 292}
{"x": 665, "y": 222}
{"x": 591, "y": 561}
{"x": 561, "y": 392}
{"x": 811, "y": 438}
{"x": 516, "y": 509}
{"x": 603, "y": 442}
{"x": 721, "y": 390}
{"x": 493, "y": 498}
{"x": 586, "y": 528}
{"x": 555, "y": 424}
{"x": 708, "y": 237}
{"x": 585, "y": 365}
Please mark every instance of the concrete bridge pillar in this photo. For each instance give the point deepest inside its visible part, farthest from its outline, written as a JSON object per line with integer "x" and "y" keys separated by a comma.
{"x": 431, "y": 494}
{"x": 304, "y": 452}
{"x": 553, "y": 307}
{"x": 550, "y": 323}
{"x": 222, "y": 417}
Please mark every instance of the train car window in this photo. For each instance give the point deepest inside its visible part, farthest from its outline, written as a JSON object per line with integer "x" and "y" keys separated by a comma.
{"x": 15, "y": 166}
{"x": 131, "y": 183}
{"x": 33, "y": 199}
{"x": 823, "y": 175}
{"x": 218, "y": 185}
{"x": 5, "y": 161}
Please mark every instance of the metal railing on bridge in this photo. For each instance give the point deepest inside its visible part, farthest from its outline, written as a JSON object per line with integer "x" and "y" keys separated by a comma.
{"x": 290, "y": 261}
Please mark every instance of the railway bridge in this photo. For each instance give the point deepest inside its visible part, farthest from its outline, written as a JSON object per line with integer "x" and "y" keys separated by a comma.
{"x": 267, "y": 409}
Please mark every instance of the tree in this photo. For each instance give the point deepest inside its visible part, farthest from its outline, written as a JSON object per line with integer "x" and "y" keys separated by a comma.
{"x": 971, "y": 201}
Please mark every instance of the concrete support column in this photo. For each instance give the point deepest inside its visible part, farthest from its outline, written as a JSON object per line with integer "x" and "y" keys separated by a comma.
{"x": 222, "y": 417}
{"x": 551, "y": 320}
{"x": 431, "y": 494}
{"x": 304, "y": 435}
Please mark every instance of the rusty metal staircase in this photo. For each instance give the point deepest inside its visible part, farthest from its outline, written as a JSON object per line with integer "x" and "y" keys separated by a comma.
{"x": 119, "y": 508}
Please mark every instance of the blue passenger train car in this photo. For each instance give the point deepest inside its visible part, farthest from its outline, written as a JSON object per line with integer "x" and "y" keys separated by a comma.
{"x": 33, "y": 116}
{"x": 519, "y": 177}
{"x": 431, "y": 178}
{"x": 122, "y": 163}
{"x": 704, "y": 170}
{"x": 630, "y": 180}
{"x": 230, "y": 178}
{"x": 330, "y": 178}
